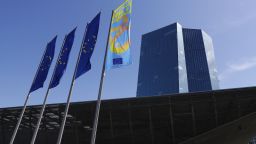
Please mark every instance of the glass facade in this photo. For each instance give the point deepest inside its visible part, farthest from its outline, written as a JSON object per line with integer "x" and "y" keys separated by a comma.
{"x": 158, "y": 72}
{"x": 211, "y": 60}
{"x": 183, "y": 81}
{"x": 196, "y": 61}
{"x": 176, "y": 60}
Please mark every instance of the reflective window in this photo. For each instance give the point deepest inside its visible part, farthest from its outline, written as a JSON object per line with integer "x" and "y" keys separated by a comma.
{"x": 196, "y": 61}
{"x": 158, "y": 70}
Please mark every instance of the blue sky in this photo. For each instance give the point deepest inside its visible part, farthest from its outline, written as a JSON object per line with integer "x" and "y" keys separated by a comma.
{"x": 27, "y": 26}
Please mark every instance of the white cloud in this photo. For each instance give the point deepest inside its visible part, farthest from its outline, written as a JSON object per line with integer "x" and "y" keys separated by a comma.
{"x": 237, "y": 21}
{"x": 243, "y": 66}
{"x": 239, "y": 66}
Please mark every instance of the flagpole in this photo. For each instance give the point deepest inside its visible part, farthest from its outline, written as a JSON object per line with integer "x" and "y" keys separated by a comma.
{"x": 97, "y": 111}
{"x": 45, "y": 99}
{"x": 70, "y": 93}
{"x": 25, "y": 103}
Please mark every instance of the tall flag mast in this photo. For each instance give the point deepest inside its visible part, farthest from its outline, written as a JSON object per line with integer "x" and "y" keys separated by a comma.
{"x": 83, "y": 64}
{"x": 59, "y": 70}
{"x": 117, "y": 53}
{"x": 39, "y": 79}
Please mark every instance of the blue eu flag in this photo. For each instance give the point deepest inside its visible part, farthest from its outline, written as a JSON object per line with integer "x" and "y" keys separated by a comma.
{"x": 62, "y": 60}
{"x": 88, "y": 45}
{"x": 44, "y": 66}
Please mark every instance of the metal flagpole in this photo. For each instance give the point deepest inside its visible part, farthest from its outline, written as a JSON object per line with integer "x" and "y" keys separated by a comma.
{"x": 70, "y": 93}
{"x": 20, "y": 119}
{"x": 97, "y": 112}
{"x": 44, "y": 103}
{"x": 25, "y": 103}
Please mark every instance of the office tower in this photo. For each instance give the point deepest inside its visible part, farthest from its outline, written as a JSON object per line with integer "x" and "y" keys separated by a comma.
{"x": 176, "y": 60}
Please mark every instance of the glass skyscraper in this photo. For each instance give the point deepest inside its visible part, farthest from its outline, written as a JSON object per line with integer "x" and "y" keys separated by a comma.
{"x": 176, "y": 60}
